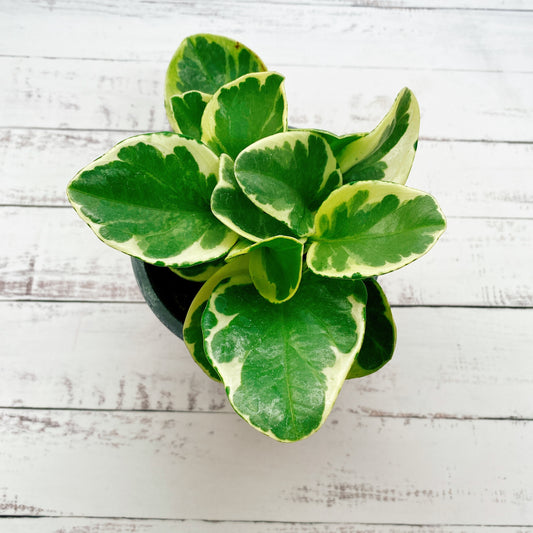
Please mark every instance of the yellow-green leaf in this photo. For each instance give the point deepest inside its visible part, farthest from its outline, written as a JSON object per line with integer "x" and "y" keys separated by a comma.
{"x": 243, "y": 111}
{"x": 387, "y": 152}
{"x": 192, "y": 326}
{"x": 288, "y": 176}
{"x": 283, "y": 365}
{"x": 380, "y": 333}
{"x": 370, "y": 228}
{"x": 149, "y": 197}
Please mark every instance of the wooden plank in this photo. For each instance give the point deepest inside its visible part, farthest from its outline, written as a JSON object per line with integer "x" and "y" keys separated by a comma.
{"x": 48, "y": 93}
{"x": 36, "y": 164}
{"x": 476, "y": 179}
{"x": 118, "y": 356}
{"x": 214, "y": 466}
{"x": 309, "y": 33}
{"x": 477, "y": 262}
{"x": 53, "y": 255}
{"x": 396, "y": 448}
{"x": 521, "y": 5}
{"x": 107, "y": 525}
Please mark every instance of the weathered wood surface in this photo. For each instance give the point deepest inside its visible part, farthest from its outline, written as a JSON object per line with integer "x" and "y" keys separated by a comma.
{"x": 490, "y": 175}
{"x": 469, "y": 363}
{"x": 106, "y": 424}
{"x": 77, "y": 525}
{"x": 96, "y": 525}
{"x": 480, "y": 105}
{"x": 343, "y": 34}
{"x": 58, "y": 257}
{"x": 182, "y": 465}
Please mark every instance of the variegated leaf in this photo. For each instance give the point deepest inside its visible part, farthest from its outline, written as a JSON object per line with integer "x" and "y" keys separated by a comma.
{"x": 288, "y": 176}
{"x": 380, "y": 333}
{"x": 387, "y": 152}
{"x": 283, "y": 364}
{"x": 149, "y": 197}
{"x": 232, "y": 207}
{"x": 239, "y": 248}
{"x": 200, "y": 272}
{"x": 185, "y": 112}
{"x": 192, "y": 326}
{"x": 243, "y": 111}
{"x": 276, "y": 267}
{"x": 205, "y": 62}
{"x": 370, "y": 228}
{"x": 337, "y": 143}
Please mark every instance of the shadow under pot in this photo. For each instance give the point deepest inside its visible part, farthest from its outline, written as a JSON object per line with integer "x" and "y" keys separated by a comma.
{"x": 167, "y": 295}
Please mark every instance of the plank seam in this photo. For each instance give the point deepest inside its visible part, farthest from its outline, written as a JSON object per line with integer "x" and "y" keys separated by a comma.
{"x": 367, "y": 5}
{"x": 203, "y": 520}
{"x": 450, "y": 217}
{"x": 277, "y": 64}
{"x": 138, "y": 302}
{"x": 134, "y": 132}
{"x": 369, "y": 414}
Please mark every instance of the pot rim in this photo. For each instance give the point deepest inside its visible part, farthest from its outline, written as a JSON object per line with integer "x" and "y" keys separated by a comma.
{"x": 156, "y": 304}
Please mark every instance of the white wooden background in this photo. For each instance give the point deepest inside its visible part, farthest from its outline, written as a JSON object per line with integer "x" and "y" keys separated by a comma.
{"x": 106, "y": 425}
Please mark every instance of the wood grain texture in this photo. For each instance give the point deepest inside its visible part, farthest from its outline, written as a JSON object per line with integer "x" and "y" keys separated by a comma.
{"x": 53, "y": 255}
{"x": 343, "y": 33}
{"x": 169, "y": 465}
{"x": 36, "y": 165}
{"x": 57, "y": 93}
{"x": 106, "y": 424}
{"x": 481, "y": 370}
{"x": 98, "y": 525}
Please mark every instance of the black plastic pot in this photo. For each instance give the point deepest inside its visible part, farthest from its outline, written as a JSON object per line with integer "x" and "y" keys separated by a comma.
{"x": 167, "y": 295}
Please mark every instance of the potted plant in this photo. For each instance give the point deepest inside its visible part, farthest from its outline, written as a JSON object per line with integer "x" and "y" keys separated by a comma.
{"x": 287, "y": 229}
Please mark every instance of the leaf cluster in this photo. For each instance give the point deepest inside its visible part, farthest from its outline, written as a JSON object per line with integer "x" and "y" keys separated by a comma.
{"x": 287, "y": 228}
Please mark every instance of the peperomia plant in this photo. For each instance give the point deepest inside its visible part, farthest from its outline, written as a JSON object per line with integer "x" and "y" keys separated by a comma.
{"x": 288, "y": 228}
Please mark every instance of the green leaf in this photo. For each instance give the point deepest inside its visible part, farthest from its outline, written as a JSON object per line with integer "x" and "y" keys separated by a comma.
{"x": 232, "y": 207}
{"x": 205, "y": 62}
{"x": 276, "y": 267}
{"x": 387, "y": 152}
{"x": 336, "y": 143}
{"x": 185, "y": 113}
{"x": 192, "y": 326}
{"x": 200, "y": 272}
{"x": 288, "y": 176}
{"x": 283, "y": 364}
{"x": 380, "y": 333}
{"x": 370, "y": 228}
{"x": 149, "y": 197}
{"x": 239, "y": 248}
{"x": 243, "y": 111}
